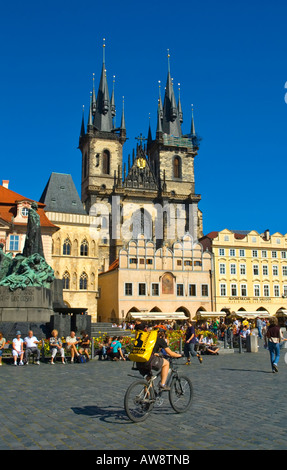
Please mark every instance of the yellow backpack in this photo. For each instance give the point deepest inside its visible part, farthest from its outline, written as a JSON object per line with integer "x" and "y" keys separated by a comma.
{"x": 143, "y": 346}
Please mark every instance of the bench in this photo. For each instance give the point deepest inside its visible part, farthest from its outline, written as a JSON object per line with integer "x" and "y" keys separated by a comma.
{"x": 7, "y": 352}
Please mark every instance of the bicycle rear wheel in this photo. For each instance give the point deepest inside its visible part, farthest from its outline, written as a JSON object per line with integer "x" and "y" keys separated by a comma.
{"x": 139, "y": 401}
{"x": 181, "y": 393}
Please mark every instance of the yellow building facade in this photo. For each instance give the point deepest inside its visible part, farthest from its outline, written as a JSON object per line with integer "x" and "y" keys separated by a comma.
{"x": 250, "y": 271}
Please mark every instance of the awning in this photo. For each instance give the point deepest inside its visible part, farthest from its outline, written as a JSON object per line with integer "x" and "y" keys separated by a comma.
{"x": 260, "y": 313}
{"x": 210, "y": 314}
{"x": 158, "y": 316}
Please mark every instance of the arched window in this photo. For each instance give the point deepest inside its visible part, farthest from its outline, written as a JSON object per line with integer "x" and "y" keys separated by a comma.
{"x": 84, "y": 251}
{"x": 177, "y": 167}
{"x": 67, "y": 247}
{"x": 83, "y": 281}
{"x": 106, "y": 162}
{"x": 66, "y": 280}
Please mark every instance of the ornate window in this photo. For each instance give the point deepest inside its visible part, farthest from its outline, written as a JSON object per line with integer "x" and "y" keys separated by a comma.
{"x": 83, "y": 281}
{"x": 67, "y": 247}
{"x": 177, "y": 167}
{"x": 106, "y": 162}
{"x": 84, "y": 251}
{"x": 66, "y": 280}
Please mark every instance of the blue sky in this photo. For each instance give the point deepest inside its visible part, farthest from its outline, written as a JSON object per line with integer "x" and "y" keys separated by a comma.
{"x": 229, "y": 58}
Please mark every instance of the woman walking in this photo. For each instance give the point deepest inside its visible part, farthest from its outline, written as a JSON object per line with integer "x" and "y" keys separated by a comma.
{"x": 273, "y": 337}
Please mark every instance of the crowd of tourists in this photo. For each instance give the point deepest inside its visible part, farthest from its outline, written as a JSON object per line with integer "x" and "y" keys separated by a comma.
{"x": 22, "y": 349}
{"x": 199, "y": 338}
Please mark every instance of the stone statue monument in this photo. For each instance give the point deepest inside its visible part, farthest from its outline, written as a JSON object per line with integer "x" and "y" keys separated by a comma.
{"x": 33, "y": 242}
{"x": 29, "y": 268}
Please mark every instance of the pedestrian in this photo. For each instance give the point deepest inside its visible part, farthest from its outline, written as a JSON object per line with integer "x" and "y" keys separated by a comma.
{"x": 31, "y": 344}
{"x": 2, "y": 344}
{"x": 259, "y": 325}
{"x": 18, "y": 351}
{"x": 273, "y": 338}
{"x": 189, "y": 346}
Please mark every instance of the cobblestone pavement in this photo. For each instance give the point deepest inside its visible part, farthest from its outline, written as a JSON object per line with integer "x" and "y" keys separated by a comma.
{"x": 238, "y": 404}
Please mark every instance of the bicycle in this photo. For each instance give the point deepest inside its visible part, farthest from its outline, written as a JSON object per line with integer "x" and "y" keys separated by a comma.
{"x": 143, "y": 394}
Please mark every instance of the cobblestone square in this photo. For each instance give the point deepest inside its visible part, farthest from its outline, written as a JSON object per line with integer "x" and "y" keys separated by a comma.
{"x": 238, "y": 404}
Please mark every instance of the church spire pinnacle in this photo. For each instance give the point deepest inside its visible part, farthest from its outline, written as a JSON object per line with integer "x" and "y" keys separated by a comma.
{"x": 123, "y": 121}
{"x": 90, "y": 121}
{"x": 192, "y": 130}
{"x": 179, "y": 108}
{"x": 113, "y": 106}
{"x": 171, "y": 120}
{"x": 103, "y": 113}
{"x": 82, "y": 133}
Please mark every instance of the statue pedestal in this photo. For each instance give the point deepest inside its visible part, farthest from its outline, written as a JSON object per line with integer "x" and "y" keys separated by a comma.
{"x": 28, "y": 309}
{"x": 39, "y": 309}
{"x": 33, "y": 304}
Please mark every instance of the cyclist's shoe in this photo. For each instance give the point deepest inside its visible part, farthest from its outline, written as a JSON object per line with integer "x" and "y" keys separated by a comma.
{"x": 200, "y": 359}
{"x": 163, "y": 388}
{"x": 187, "y": 363}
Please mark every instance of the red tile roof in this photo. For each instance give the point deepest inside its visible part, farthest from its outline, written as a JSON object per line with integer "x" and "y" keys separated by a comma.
{"x": 238, "y": 236}
{"x": 8, "y": 207}
{"x": 112, "y": 267}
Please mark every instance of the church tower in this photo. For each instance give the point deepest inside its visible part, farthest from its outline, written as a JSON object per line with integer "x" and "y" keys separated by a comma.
{"x": 171, "y": 155}
{"x": 155, "y": 191}
{"x": 101, "y": 144}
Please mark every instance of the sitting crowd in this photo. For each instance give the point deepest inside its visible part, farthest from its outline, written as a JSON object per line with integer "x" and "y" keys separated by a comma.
{"x": 111, "y": 349}
{"x": 22, "y": 349}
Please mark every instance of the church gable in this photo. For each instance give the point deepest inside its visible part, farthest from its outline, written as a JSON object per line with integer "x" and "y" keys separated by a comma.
{"x": 140, "y": 175}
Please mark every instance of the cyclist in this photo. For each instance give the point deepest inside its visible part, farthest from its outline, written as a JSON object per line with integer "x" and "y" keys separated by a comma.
{"x": 156, "y": 362}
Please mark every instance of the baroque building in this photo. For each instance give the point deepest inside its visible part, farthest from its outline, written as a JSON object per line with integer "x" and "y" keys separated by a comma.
{"x": 250, "y": 272}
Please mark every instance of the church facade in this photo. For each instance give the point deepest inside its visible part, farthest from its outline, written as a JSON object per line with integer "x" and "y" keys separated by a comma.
{"x": 149, "y": 200}
{"x": 154, "y": 192}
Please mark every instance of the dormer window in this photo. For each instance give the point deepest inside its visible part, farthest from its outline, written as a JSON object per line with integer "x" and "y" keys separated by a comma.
{"x": 25, "y": 212}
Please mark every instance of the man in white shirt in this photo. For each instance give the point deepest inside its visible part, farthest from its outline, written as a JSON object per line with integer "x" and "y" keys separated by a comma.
{"x": 31, "y": 343}
{"x": 18, "y": 350}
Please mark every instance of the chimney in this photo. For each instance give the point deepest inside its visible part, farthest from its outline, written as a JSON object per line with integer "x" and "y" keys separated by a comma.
{"x": 5, "y": 183}
{"x": 267, "y": 235}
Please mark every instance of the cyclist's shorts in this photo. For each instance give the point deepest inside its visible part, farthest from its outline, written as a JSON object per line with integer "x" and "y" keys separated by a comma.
{"x": 154, "y": 363}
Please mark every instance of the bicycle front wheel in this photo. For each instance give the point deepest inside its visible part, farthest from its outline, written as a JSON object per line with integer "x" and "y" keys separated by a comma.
{"x": 181, "y": 393}
{"x": 139, "y": 401}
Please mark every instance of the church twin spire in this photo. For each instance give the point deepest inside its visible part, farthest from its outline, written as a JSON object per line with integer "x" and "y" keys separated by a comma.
{"x": 170, "y": 115}
{"x": 102, "y": 109}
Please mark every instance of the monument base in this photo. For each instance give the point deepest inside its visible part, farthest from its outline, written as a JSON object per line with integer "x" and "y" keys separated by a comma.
{"x": 41, "y": 310}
